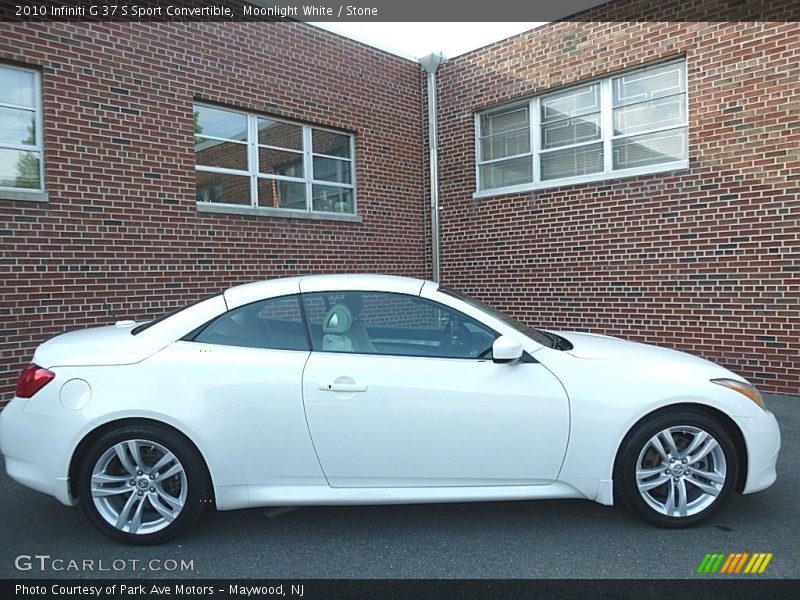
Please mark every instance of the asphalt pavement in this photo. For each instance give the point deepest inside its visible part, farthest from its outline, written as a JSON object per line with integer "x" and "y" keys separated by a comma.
{"x": 536, "y": 539}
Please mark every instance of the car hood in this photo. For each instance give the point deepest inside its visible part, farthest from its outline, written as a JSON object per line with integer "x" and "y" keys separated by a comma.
{"x": 592, "y": 346}
{"x": 109, "y": 345}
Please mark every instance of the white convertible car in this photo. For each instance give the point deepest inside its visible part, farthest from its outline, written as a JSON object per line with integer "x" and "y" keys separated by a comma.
{"x": 366, "y": 389}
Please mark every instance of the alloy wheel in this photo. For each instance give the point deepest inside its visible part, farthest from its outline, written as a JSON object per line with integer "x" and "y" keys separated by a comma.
{"x": 139, "y": 486}
{"x": 681, "y": 471}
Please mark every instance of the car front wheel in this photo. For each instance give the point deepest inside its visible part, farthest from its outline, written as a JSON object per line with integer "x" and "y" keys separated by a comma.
{"x": 677, "y": 469}
{"x": 142, "y": 484}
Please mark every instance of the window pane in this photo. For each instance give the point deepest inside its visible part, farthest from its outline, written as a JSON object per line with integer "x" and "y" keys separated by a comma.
{"x": 393, "y": 324}
{"x": 505, "y": 121}
{"x": 570, "y": 103}
{"x": 221, "y": 123}
{"x": 19, "y": 169}
{"x": 226, "y": 155}
{"x": 328, "y": 198}
{"x": 330, "y": 169}
{"x": 571, "y": 131}
{"x": 17, "y": 87}
{"x": 506, "y": 144}
{"x": 650, "y": 149}
{"x": 17, "y": 126}
{"x": 278, "y": 162}
{"x": 649, "y": 83}
{"x": 223, "y": 189}
{"x": 332, "y": 144}
{"x": 572, "y": 162}
{"x": 274, "y": 324}
{"x": 505, "y": 173}
{"x": 653, "y": 114}
{"x": 282, "y": 151}
{"x": 281, "y": 194}
{"x": 316, "y": 306}
{"x": 277, "y": 133}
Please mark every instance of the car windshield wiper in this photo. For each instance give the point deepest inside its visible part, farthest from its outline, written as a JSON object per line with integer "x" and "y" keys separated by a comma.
{"x": 554, "y": 341}
{"x": 558, "y": 342}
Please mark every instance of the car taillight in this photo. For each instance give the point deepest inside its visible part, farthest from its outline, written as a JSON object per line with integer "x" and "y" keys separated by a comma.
{"x": 33, "y": 379}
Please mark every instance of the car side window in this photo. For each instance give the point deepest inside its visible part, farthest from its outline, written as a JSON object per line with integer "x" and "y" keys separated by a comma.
{"x": 274, "y": 324}
{"x": 393, "y": 324}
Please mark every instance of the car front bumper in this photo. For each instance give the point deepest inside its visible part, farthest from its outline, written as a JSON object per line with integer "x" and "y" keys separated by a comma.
{"x": 762, "y": 436}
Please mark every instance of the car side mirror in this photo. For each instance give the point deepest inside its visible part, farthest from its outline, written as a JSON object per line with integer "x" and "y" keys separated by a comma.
{"x": 506, "y": 350}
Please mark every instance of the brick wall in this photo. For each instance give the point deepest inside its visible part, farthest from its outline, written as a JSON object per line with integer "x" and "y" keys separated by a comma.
{"x": 121, "y": 223}
{"x": 704, "y": 260}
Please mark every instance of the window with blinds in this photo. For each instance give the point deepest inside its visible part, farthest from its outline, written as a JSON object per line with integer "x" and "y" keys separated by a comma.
{"x": 627, "y": 124}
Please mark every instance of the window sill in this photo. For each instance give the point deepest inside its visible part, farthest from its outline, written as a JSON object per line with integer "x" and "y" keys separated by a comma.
{"x": 24, "y": 196}
{"x": 593, "y": 178}
{"x": 284, "y": 213}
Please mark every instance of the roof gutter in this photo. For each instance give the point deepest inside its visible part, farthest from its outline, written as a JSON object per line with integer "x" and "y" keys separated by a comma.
{"x": 431, "y": 65}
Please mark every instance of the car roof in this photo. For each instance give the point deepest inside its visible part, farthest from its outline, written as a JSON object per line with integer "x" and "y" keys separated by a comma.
{"x": 252, "y": 292}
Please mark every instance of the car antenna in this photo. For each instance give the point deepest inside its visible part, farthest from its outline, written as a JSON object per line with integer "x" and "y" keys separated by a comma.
{"x": 107, "y": 306}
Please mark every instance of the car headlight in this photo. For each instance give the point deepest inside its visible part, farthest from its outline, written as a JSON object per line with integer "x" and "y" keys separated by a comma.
{"x": 743, "y": 388}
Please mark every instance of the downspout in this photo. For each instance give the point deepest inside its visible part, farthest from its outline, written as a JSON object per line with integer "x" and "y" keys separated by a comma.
{"x": 431, "y": 65}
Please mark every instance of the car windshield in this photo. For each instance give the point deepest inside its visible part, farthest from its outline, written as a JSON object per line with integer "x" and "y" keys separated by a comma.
{"x": 149, "y": 324}
{"x": 535, "y": 334}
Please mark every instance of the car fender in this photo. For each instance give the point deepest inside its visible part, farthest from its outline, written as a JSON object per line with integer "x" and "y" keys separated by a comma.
{"x": 603, "y": 410}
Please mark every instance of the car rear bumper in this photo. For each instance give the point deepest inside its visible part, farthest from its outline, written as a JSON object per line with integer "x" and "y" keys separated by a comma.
{"x": 762, "y": 437}
{"x": 36, "y": 450}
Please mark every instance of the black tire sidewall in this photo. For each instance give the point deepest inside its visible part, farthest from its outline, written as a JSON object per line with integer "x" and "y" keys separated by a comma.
{"x": 196, "y": 477}
{"x": 628, "y": 488}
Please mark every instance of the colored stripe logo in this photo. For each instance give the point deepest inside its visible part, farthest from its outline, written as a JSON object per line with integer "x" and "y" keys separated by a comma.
{"x": 735, "y": 563}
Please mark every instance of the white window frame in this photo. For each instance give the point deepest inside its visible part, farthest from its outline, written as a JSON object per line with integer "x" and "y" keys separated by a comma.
{"x": 308, "y": 179}
{"x": 14, "y": 193}
{"x": 607, "y": 138}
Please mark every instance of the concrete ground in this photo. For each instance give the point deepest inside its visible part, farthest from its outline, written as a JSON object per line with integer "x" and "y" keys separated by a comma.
{"x": 538, "y": 539}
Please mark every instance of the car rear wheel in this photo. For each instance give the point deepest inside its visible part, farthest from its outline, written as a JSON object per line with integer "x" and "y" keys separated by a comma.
{"x": 142, "y": 484}
{"x": 677, "y": 469}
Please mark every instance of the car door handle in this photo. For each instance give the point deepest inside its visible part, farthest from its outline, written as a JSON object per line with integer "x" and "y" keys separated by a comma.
{"x": 342, "y": 387}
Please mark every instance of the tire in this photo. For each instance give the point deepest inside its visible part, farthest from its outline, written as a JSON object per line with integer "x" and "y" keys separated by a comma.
{"x": 679, "y": 489}
{"x": 143, "y": 484}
